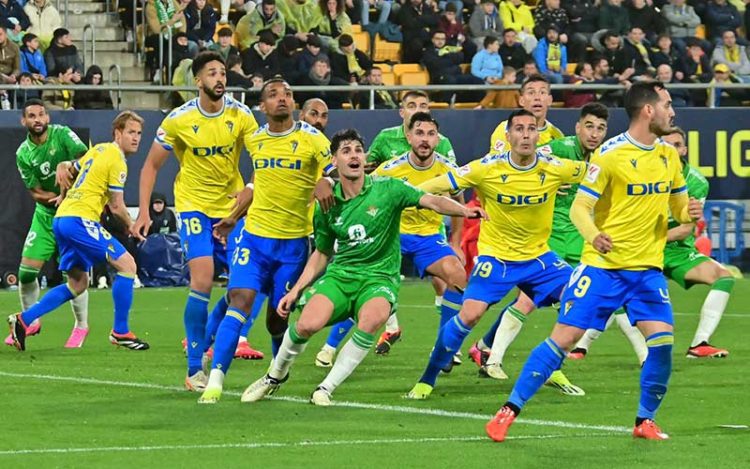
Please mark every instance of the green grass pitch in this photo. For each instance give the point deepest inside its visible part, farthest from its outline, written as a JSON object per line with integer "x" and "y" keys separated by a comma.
{"x": 103, "y": 407}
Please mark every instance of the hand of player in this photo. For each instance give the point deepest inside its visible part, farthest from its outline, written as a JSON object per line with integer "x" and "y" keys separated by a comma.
{"x": 475, "y": 212}
{"x": 64, "y": 175}
{"x": 223, "y": 228}
{"x": 563, "y": 190}
{"x": 602, "y": 243}
{"x": 695, "y": 209}
{"x": 459, "y": 252}
{"x": 287, "y": 303}
{"x": 56, "y": 201}
{"x": 141, "y": 226}
{"x": 243, "y": 197}
{"x": 324, "y": 194}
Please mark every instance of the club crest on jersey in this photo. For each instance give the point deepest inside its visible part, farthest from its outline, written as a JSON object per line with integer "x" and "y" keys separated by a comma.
{"x": 195, "y": 129}
{"x": 230, "y": 125}
{"x": 634, "y": 162}
{"x": 295, "y": 144}
{"x": 542, "y": 177}
{"x": 373, "y": 211}
{"x": 52, "y": 151}
{"x": 663, "y": 160}
{"x": 44, "y": 168}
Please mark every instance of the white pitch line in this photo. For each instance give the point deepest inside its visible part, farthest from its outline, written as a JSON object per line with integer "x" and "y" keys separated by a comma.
{"x": 293, "y": 444}
{"x": 349, "y": 404}
{"x": 696, "y": 314}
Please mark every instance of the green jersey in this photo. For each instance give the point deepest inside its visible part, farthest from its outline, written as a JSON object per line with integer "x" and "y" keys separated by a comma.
{"x": 37, "y": 163}
{"x": 568, "y": 148}
{"x": 391, "y": 142}
{"x": 697, "y": 187}
{"x": 366, "y": 227}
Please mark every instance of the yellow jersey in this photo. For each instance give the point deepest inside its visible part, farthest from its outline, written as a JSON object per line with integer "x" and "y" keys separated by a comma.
{"x": 499, "y": 142}
{"x": 207, "y": 147}
{"x": 287, "y": 167}
{"x": 632, "y": 184}
{"x": 519, "y": 200}
{"x": 101, "y": 170}
{"x": 413, "y": 220}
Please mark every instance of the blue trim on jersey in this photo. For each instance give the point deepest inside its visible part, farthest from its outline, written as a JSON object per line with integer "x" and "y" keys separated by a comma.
{"x": 76, "y": 165}
{"x": 679, "y": 190}
{"x": 453, "y": 182}
{"x": 590, "y": 192}
{"x": 328, "y": 169}
{"x": 115, "y": 188}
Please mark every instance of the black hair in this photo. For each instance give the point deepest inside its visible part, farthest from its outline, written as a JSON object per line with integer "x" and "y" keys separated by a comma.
{"x": 33, "y": 102}
{"x": 536, "y": 78}
{"x": 204, "y": 58}
{"x": 346, "y": 135}
{"x": 518, "y": 113}
{"x": 488, "y": 40}
{"x": 225, "y": 32}
{"x": 270, "y": 82}
{"x": 422, "y": 117}
{"x": 641, "y": 94}
{"x": 595, "y": 109}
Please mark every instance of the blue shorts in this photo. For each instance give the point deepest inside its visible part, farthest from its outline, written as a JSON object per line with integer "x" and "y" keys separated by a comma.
{"x": 593, "y": 294}
{"x": 425, "y": 250}
{"x": 542, "y": 279}
{"x": 84, "y": 243}
{"x": 268, "y": 265}
{"x": 197, "y": 239}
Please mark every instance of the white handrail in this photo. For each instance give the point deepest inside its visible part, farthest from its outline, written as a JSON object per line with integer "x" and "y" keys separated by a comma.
{"x": 116, "y": 68}
{"x": 92, "y": 28}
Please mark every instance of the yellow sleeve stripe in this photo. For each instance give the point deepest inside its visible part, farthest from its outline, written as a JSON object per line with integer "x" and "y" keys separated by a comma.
{"x": 677, "y": 190}
{"x": 666, "y": 339}
{"x": 589, "y": 192}
{"x": 453, "y": 182}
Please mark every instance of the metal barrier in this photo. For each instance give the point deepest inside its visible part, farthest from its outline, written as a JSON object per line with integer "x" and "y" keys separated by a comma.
{"x": 168, "y": 30}
{"x": 717, "y": 227}
{"x": 135, "y": 26}
{"x": 115, "y": 68}
{"x": 92, "y": 28}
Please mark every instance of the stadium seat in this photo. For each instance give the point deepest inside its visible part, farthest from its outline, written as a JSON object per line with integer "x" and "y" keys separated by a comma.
{"x": 362, "y": 41}
{"x": 572, "y": 68}
{"x": 399, "y": 69}
{"x": 465, "y": 105}
{"x": 465, "y": 68}
{"x": 356, "y": 28}
{"x": 385, "y": 50}
{"x": 439, "y": 105}
{"x": 700, "y": 31}
{"x": 414, "y": 78}
{"x": 389, "y": 78}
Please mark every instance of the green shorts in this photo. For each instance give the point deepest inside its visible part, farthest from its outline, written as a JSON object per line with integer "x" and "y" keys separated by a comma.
{"x": 348, "y": 294}
{"x": 567, "y": 245}
{"x": 678, "y": 261}
{"x": 40, "y": 242}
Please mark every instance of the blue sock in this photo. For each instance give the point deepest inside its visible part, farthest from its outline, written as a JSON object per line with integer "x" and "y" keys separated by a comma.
{"x": 338, "y": 332}
{"x": 214, "y": 319}
{"x": 449, "y": 341}
{"x": 122, "y": 296}
{"x": 543, "y": 361}
{"x": 451, "y": 305}
{"x": 489, "y": 337}
{"x": 276, "y": 343}
{"x": 655, "y": 373}
{"x": 260, "y": 298}
{"x": 196, "y": 316}
{"x": 227, "y": 337}
{"x": 49, "y": 302}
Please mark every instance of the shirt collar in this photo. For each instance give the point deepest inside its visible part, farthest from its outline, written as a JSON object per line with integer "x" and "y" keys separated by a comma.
{"x": 338, "y": 192}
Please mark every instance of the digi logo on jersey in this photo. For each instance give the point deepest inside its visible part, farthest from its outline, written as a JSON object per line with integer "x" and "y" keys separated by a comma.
{"x": 281, "y": 163}
{"x": 222, "y": 150}
{"x": 533, "y": 199}
{"x": 659, "y": 187}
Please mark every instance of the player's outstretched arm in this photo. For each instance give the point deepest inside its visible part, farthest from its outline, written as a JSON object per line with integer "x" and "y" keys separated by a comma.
{"x": 315, "y": 266}
{"x": 446, "y": 206}
{"x": 43, "y": 197}
{"x": 684, "y": 209}
{"x": 157, "y": 155}
{"x": 457, "y": 230}
{"x": 581, "y": 216}
{"x": 678, "y": 233}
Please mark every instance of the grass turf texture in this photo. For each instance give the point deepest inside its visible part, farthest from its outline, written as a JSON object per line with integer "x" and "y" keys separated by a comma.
{"x": 100, "y": 404}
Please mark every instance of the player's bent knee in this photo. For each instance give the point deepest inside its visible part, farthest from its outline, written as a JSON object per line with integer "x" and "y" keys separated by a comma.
{"x": 125, "y": 264}
{"x": 241, "y": 299}
{"x": 524, "y": 304}
{"x": 472, "y": 311}
{"x": 566, "y": 336}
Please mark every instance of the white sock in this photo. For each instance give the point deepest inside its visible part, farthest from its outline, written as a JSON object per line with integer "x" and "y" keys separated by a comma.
{"x": 349, "y": 358}
{"x": 80, "y": 307}
{"x": 438, "y": 301}
{"x": 634, "y": 336}
{"x": 225, "y": 5}
{"x": 29, "y": 293}
{"x": 713, "y": 308}
{"x": 592, "y": 334}
{"x": 328, "y": 348}
{"x": 285, "y": 357}
{"x": 506, "y": 333}
{"x": 482, "y": 346}
{"x": 216, "y": 379}
{"x": 242, "y": 339}
{"x": 391, "y": 325}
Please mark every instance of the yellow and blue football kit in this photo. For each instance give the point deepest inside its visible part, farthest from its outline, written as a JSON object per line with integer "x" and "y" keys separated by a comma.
{"x": 512, "y": 244}
{"x": 421, "y": 233}
{"x": 208, "y": 148}
{"x": 499, "y": 140}
{"x": 82, "y": 241}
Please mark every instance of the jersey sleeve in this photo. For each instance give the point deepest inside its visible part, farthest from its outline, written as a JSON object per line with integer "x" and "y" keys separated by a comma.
{"x": 117, "y": 173}
{"x": 166, "y": 134}
{"x": 376, "y": 153}
{"x": 73, "y": 145}
{"x": 249, "y": 127}
{"x": 26, "y": 171}
{"x": 678, "y": 180}
{"x": 324, "y": 236}
{"x": 405, "y": 193}
{"x": 468, "y": 175}
{"x": 596, "y": 177}
{"x": 322, "y": 151}
{"x": 700, "y": 191}
{"x": 573, "y": 171}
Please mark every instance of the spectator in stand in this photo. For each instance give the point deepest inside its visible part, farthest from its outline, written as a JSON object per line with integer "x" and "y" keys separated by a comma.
{"x": 733, "y": 56}
{"x": 550, "y": 14}
{"x": 721, "y": 16}
{"x": 529, "y": 69}
{"x": 485, "y": 22}
{"x": 680, "y": 97}
{"x": 666, "y": 53}
{"x": 331, "y": 21}
{"x": 62, "y": 54}
{"x": 417, "y": 18}
{"x": 612, "y": 18}
{"x": 695, "y": 64}
{"x": 182, "y": 49}
{"x": 637, "y": 54}
{"x": 517, "y": 15}
{"x": 201, "y": 23}
{"x": 262, "y": 57}
{"x": 681, "y": 21}
{"x": 44, "y": 20}
{"x": 235, "y": 75}
{"x": 163, "y": 220}
{"x": 320, "y": 75}
{"x": 10, "y": 59}
{"x": 313, "y": 49}
{"x": 603, "y": 75}
{"x": 354, "y": 9}
{"x": 288, "y": 59}
{"x": 265, "y": 16}
{"x": 349, "y": 63}
{"x": 23, "y": 95}
{"x": 383, "y": 99}
{"x": 224, "y": 45}
{"x": 32, "y": 60}
{"x": 60, "y": 99}
{"x": 93, "y": 99}
{"x": 584, "y": 18}
{"x": 487, "y": 64}
{"x": 455, "y": 35}
{"x": 511, "y": 51}
{"x": 583, "y": 74}
{"x": 726, "y": 97}
{"x": 647, "y": 18}
{"x": 167, "y": 14}
{"x": 551, "y": 56}
{"x": 443, "y": 62}
{"x": 611, "y": 49}
{"x": 298, "y": 16}
{"x": 383, "y": 6}
{"x": 502, "y": 99}
{"x": 12, "y": 9}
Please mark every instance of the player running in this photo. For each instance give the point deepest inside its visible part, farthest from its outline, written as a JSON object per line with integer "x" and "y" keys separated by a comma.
{"x": 37, "y": 158}
{"x": 289, "y": 158}
{"x": 206, "y": 135}
{"x": 633, "y": 180}
{"x": 421, "y": 231}
{"x": 686, "y": 266}
{"x": 362, "y": 280}
{"x": 517, "y": 188}
{"x": 83, "y": 242}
